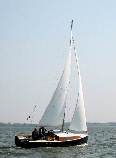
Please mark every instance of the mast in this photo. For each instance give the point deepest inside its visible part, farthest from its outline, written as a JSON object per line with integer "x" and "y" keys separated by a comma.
{"x": 63, "y": 119}
{"x": 71, "y": 34}
{"x": 71, "y": 41}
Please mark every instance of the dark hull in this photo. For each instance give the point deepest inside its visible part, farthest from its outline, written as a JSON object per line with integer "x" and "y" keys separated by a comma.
{"x": 25, "y": 143}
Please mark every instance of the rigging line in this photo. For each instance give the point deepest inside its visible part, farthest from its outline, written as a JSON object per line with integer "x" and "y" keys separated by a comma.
{"x": 76, "y": 105}
{"x": 72, "y": 41}
{"x": 76, "y": 58}
{"x": 34, "y": 109}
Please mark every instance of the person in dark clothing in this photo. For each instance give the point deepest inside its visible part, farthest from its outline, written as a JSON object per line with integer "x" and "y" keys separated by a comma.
{"x": 42, "y": 133}
{"x": 35, "y": 134}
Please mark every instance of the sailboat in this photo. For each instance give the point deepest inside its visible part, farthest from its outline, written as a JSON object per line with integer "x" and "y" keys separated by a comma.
{"x": 55, "y": 114}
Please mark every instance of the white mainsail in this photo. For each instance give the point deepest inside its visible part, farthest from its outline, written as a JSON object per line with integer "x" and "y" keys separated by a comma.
{"x": 54, "y": 112}
{"x": 78, "y": 122}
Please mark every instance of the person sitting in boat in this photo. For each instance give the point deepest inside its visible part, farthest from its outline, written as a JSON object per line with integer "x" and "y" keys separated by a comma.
{"x": 51, "y": 135}
{"x": 35, "y": 134}
{"x": 42, "y": 132}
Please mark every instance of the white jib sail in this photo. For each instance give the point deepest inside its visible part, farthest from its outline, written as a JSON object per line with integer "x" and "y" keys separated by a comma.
{"x": 78, "y": 122}
{"x": 54, "y": 112}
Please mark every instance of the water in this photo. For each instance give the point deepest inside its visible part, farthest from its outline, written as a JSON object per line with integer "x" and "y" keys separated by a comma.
{"x": 101, "y": 144}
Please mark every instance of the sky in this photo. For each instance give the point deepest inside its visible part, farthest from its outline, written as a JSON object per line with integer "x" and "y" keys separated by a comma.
{"x": 34, "y": 42}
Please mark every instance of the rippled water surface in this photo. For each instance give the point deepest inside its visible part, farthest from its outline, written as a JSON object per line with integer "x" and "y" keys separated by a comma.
{"x": 101, "y": 144}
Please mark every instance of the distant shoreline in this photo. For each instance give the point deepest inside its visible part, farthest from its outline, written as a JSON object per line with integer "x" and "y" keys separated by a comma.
{"x": 18, "y": 123}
